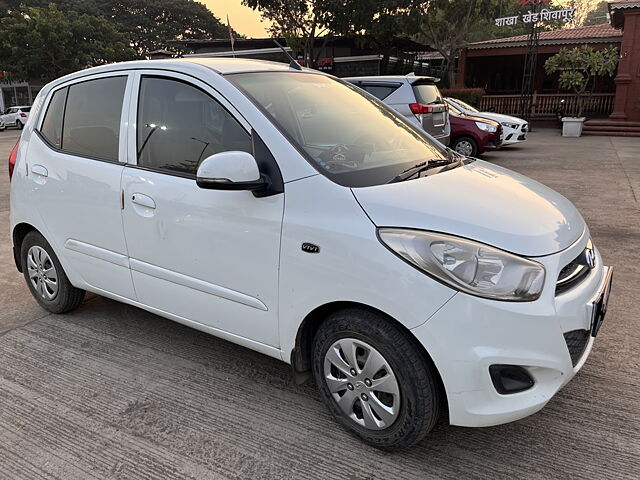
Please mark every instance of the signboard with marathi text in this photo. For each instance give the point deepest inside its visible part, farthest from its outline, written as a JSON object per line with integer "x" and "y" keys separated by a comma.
{"x": 544, "y": 15}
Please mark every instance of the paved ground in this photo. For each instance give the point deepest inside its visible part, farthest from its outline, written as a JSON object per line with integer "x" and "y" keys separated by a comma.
{"x": 111, "y": 391}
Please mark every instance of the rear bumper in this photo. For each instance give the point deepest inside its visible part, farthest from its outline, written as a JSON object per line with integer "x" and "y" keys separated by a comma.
{"x": 444, "y": 139}
{"x": 468, "y": 335}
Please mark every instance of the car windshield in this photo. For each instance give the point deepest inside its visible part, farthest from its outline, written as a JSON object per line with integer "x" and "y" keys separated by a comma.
{"x": 352, "y": 138}
{"x": 455, "y": 110}
{"x": 466, "y": 106}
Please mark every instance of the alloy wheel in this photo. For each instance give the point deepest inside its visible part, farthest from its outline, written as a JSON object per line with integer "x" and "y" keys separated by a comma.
{"x": 362, "y": 383}
{"x": 42, "y": 272}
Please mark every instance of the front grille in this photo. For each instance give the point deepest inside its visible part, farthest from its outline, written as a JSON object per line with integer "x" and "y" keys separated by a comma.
{"x": 572, "y": 274}
{"x": 577, "y": 341}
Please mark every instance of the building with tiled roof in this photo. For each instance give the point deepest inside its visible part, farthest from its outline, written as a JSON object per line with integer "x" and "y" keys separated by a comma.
{"x": 592, "y": 34}
{"x": 497, "y": 65}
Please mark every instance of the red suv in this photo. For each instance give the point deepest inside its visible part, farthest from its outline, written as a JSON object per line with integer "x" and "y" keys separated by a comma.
{"x": 471, "y": 136}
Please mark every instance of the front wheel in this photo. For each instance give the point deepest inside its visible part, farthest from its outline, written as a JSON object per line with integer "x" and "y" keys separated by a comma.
{"x": 466, "y": 146}
{"x": 374, "y": 379}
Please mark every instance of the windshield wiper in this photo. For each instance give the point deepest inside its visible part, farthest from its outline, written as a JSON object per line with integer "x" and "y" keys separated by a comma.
{"x": 419, "y": 168}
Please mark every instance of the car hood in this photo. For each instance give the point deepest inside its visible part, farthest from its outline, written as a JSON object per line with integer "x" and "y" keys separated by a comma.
{"x": 498, "y": 117}
{"x": 477, "y": 118}
{"x": 482, "y": 202}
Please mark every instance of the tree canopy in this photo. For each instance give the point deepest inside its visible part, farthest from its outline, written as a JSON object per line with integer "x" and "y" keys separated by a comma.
{"x": 46, "y": 43}
{"x": 578, "y": 68}
{"x": 149, "y": 25}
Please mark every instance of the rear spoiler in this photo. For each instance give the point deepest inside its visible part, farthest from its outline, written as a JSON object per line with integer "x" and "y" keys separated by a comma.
{"x": 413, "y": 79}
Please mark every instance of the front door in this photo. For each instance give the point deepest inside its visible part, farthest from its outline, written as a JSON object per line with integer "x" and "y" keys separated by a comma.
{"x": 207, "y": 256}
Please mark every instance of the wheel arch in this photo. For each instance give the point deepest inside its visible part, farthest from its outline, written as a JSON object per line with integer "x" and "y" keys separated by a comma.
{"x": 19, "y": 232}
{"x": 301, "y": 353}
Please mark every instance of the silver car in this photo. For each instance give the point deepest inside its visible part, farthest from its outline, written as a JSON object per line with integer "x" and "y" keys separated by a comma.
{"x": 417, "y": 98}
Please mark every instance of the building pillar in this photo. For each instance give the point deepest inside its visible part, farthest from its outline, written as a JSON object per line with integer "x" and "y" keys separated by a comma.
{"x": 462, "y": 63}
{"x": 627, "y": 101}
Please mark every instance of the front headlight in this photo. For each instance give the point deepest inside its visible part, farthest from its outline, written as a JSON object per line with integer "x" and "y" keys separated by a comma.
{"x": 509, "y": 125}
{"x": 486, "y": 127}
{"x": 466, "y": 265}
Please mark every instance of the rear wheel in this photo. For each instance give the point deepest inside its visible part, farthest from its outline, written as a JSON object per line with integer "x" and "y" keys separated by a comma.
{"x": 374, "y": 379}
{"x": 466, "y": 146}
{"x": 19, "y": 124}
{"x": 45, "y": 277}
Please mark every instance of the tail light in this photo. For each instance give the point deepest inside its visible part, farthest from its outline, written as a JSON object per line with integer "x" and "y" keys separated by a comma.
{"x": 23, "y": 115}
{"x": 419, "y": 108}
{"x": 12, "y": 159}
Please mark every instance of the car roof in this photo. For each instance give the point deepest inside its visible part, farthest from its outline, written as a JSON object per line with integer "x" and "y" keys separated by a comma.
{"x": 189, "y": 64}
{"x": 397, "y": 78}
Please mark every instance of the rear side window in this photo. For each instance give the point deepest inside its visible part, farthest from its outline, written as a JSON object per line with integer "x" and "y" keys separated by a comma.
{"x": 26, "y": 109}
{"x": 179, "y": 125}
{"x": 427, "y": 93}
{"x": 92, "y": 117}
{"x": 52, "y": 124}
{"x": 379, "y": 91}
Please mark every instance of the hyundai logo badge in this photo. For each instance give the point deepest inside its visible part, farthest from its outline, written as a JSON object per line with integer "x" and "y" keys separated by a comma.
{"x": 590, "y": 258}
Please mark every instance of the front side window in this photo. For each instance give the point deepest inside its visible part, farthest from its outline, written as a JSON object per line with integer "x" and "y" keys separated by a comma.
{"x": 350, "y": 137}
{"x": 179, "y": 125}
{"x": 92, "y": 117}
{"x": 52, "y": 124}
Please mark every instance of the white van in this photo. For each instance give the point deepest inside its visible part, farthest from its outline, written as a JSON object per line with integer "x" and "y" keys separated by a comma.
{"x": 249, "y": 200}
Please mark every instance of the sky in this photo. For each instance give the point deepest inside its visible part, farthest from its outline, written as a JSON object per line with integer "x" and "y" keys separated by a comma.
{"x": 243, "y": 19}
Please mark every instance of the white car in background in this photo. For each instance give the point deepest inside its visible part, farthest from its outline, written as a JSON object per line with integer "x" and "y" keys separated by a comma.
{"x": 15, "y": 116}
{"x": 515, "y": 129}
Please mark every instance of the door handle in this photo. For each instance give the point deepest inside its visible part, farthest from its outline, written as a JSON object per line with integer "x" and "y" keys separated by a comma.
{"x": 143, "y": 200}
{"x": 39, "y": 170}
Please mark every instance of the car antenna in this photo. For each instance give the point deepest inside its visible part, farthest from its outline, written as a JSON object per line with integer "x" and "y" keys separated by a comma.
{"x": 293, "y": 63}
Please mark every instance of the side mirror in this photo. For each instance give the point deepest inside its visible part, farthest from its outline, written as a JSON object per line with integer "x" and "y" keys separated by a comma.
{"x": 230, "y": 171}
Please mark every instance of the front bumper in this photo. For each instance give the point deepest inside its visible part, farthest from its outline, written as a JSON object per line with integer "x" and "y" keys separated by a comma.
{"x": 469, "y": 334}
{"x": 515, "y": 135}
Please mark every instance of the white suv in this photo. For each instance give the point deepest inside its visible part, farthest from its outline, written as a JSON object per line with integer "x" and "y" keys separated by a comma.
{"x": 15, "y": 116}
{"x": 386, "y": 274}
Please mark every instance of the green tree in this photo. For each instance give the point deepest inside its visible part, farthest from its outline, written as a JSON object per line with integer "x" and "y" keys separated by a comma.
{"x": 150, "y": 25}
{"x": 445, "y": 25}
{"x": 46, "y": 43}
{"x": 301, "y": 22}
{"x": 598, "y": 15}
{"x": 578, "y": 68}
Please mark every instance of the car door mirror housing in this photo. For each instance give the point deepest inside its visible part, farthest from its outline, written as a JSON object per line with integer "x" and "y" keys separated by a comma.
{"x": 233, "y": 170}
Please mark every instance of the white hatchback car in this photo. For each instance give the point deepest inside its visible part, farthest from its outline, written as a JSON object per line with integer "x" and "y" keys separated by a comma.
{"x": 406, "y": 280}
{"x": 514, "y": 129}
{"x": 16, "y": 116}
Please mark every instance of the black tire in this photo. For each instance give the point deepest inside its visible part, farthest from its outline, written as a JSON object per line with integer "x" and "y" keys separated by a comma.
{"x": 460, "y": 140}
{"x": 19, "y": 125}
{"x": 67, "y": 297}
{"x": 420, "y": 396}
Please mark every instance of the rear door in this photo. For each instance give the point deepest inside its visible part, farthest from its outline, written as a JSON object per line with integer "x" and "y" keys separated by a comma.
{"x": 75, "y": 166}
{"x": 206, "y": 256}
{"x": 433, "y": 116}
